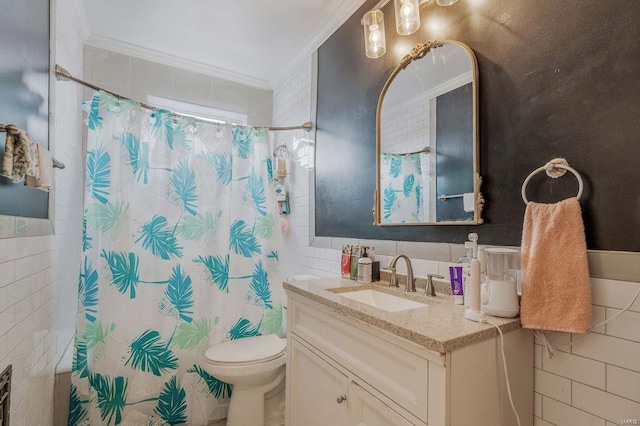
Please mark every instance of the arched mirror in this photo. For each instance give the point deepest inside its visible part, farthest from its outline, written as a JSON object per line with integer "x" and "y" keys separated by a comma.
{"x": 427, "y": 143}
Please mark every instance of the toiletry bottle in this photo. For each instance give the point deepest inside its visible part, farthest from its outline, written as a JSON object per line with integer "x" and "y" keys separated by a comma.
{"x": 466, "y": 263}
{"x": 345, "y": 261}
{"x": 455, "y": 274}
{"x": 473, "y": 312}
{"x": 355, "y": 255}
{"x": 472, "y": 292}
{"x": 371, "y": 252}
{"x": 364, "y": 267}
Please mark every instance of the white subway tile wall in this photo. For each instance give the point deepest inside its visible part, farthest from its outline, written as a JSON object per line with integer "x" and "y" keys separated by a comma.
{"x": 557, "y": 413}
{"x": 407, "y": 128}
{"x": 38, "y": 275}
{"x": 603, "y": 367}
{"x": 595, "y": 382}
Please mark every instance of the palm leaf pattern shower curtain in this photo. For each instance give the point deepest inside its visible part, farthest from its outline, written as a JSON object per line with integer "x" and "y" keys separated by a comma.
{"x": 180, "y": 252}
{"x": 403, "y": 183}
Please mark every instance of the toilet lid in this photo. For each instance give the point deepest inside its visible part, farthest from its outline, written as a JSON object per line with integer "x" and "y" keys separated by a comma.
{"x": 250, "y": 350}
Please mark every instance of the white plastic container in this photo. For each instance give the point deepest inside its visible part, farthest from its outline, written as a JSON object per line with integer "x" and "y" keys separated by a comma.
{"x": 364, "y": 267}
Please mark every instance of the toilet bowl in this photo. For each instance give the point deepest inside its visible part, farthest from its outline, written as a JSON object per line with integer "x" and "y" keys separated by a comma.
{"x": 254, "y": 366}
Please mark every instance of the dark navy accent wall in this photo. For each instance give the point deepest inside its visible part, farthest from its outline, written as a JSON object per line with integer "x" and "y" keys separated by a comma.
{"x": 557, "y": 79}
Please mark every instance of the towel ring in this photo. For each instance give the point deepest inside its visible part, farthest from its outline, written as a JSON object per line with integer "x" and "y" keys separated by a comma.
{"x": 555, "y": 169}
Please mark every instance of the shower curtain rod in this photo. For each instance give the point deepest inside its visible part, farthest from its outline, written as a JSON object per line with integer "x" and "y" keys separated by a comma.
{"x": 424, "y": 150}
{"x": 63, "y": 75}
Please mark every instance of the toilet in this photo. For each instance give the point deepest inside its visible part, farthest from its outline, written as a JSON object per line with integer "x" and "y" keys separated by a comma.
{"x": 255, "y": 367}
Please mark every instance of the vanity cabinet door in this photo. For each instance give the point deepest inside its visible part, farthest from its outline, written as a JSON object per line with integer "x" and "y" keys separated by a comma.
{"x": 367, "y": 410}
{"x": 316, "y": 387}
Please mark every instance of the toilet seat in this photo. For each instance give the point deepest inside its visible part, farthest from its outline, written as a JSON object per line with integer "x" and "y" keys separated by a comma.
{"x": 247, "y": 351}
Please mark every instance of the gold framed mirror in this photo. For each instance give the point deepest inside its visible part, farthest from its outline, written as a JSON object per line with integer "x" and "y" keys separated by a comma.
{"x": 427, "y": 139}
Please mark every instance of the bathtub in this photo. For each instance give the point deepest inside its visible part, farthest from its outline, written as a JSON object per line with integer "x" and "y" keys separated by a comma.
{"x": 62, "y": 386}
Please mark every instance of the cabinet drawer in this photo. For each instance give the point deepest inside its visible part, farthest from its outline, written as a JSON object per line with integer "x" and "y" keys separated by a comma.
{"x": 376, "y": 357}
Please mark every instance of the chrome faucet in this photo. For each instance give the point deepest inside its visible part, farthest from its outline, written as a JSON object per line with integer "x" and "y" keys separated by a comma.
{"x": 393, "y": 281}
{"x": 430, "y": 290}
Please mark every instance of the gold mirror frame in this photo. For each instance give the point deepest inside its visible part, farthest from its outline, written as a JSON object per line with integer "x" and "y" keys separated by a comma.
{"x": 417, "y": 52}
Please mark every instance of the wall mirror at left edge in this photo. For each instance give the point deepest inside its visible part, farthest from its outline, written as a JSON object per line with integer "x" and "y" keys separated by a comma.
{"x": 28, "y": 93}
{"x": 427, "y": 139}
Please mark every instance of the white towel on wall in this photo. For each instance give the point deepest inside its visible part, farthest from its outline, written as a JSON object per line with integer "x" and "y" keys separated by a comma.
{"x": 468, "y": 202}
{"x": 45, "y": 164}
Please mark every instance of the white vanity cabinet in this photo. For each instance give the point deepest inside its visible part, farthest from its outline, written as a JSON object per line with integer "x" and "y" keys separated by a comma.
{"x": 325, "y": 394}
{"x": 342, "y": 371}
{"x": 366, "y": 410}
{"x": 317, "y": 387}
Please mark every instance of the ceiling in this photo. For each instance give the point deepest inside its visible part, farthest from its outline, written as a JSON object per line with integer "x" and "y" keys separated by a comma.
{"x": 254, "y": 38}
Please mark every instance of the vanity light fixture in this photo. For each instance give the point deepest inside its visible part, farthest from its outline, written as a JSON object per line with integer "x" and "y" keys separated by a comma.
{"x": 407, "y": 16}
{"x": 375, "y": 43}
{"x": 407, "y": 22}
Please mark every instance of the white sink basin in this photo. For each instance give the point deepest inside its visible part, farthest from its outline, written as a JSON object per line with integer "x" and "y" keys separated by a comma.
{"x": 380, "y": 300}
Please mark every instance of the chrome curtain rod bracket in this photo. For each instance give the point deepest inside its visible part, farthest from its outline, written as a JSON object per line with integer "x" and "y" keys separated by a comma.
{"x": 63, "y": 75}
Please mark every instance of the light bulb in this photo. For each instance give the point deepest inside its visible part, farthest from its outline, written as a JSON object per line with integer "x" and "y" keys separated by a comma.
{"x": 407, "y": 16}
{"x": 374, "y": 34}
{"x": 406, "y": 11}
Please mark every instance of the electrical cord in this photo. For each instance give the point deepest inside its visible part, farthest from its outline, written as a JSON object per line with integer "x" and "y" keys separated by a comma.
{"x": 550, "y": 350}
{"x": 506, "y": 374}
{"x": 548, "y": 346}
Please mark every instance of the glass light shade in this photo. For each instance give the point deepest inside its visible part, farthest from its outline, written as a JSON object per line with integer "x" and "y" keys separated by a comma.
{"x": 446, "y": 2}
{"x": 375, "y": 44}
{"x": 407, "y": 16}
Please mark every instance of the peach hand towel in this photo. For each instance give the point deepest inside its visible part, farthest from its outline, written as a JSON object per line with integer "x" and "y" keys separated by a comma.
{"x": 556, "y": 289}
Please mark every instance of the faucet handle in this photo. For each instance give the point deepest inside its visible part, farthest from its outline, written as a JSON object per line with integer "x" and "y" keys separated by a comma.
{"x": 429, "y": 289}
{"x": 393, "y": 280}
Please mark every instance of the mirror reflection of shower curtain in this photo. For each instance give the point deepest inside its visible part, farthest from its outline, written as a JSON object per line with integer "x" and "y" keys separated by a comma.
{"x": 403, "y": 180}
{"x": 180, "y": 252}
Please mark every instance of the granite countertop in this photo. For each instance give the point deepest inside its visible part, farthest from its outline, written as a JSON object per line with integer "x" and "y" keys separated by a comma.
{"x": 439, "y": 326}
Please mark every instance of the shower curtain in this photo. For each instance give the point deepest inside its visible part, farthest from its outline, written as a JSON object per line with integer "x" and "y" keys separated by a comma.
{"x": 180, "y": 252}
{"x": 403, "y": 184}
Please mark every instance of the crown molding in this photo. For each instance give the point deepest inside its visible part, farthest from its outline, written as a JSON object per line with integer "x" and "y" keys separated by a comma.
{"x": 343, "y": 9}
{"x": 117, "y": 46}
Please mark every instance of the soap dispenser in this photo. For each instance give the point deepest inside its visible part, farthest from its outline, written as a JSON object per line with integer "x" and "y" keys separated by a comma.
{"x": 364, "y": 267}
